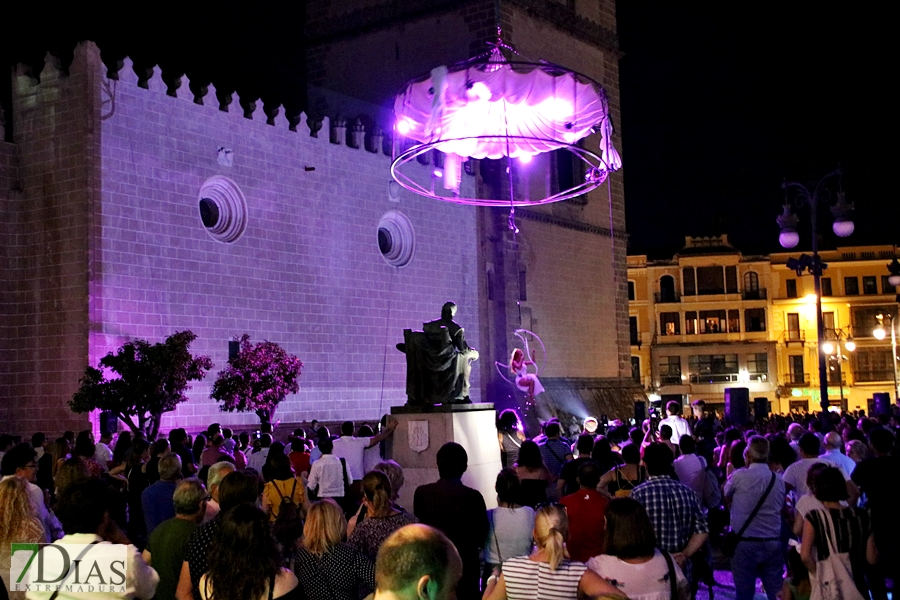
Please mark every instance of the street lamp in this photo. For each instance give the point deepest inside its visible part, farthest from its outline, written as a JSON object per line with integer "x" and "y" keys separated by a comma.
{"x": 789, "y": 238}
{"x": 834, "y": 352}
{"x": 879, "y": 334}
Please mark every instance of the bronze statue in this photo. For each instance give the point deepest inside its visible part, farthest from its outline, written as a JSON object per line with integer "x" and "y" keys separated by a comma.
{"x": 438, "y": 361}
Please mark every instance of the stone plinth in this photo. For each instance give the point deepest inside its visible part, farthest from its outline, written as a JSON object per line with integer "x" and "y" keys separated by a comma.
{"x": 473, "y": 426}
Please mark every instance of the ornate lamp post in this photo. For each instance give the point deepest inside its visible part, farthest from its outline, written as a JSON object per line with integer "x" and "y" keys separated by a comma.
{"x": 879, "y": 334}
{"x": 789, "y": 238}
{"x": 834, "y": 350}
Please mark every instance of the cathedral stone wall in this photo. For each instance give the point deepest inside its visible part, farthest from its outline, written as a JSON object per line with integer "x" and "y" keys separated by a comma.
{"x": 47, "y": 218}
{"x": 306, "y": 273}
{"x": 570, "y": 257}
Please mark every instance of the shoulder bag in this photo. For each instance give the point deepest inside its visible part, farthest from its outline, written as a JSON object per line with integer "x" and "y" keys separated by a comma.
{"x": 729, "y": 544}
{"x": 834, "y": 575}
{"x": 673, "y": 576}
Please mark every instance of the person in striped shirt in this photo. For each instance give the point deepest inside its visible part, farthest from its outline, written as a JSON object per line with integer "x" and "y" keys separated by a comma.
{"x": 548, "y": 574}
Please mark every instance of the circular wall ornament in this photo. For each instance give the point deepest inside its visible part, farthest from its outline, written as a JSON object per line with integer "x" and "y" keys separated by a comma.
{"x": 223, "y": 209}
{"x": 396, "y": 239}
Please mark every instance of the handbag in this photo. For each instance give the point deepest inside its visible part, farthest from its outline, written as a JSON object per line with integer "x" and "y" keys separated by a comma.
{"x": 730, "y": 542}
{"x": 834, "y": 575}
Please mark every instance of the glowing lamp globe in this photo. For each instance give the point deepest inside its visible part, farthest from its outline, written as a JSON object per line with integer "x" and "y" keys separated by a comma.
{"x": 494, "y": 108}
{"x": 789, "y": 238}
{"x": 828, "y": 348}
{"x": 879, "y": 333}
{"x": 850, "y": 345}
{"x": 843, "y": 227}
{"x": 894, "y": 280}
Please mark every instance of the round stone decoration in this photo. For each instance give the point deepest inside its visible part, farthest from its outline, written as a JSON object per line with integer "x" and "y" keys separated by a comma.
{"x": 396, "y": 239}
{"x": 223, "y": 209}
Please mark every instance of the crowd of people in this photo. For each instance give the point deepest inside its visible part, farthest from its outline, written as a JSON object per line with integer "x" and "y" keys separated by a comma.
{"x": 619, "y": 511}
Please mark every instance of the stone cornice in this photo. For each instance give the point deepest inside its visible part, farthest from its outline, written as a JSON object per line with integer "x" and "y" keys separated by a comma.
{"x": 540, "y": 217}
{"x": 373, "y": 18}
{"x": 387, "y": 14}
{"x": 569, "y": 21}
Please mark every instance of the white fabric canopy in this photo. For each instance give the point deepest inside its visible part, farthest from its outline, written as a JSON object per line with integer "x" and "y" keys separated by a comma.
{"x": 500, "y": 111}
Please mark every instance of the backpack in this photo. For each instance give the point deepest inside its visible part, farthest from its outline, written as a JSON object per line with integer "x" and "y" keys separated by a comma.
{"x": 288, "y": 521}
{"x": 626, "y": 492}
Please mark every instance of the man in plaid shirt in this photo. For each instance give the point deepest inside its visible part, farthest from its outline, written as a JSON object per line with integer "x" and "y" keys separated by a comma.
{"x": 680, "y": 526}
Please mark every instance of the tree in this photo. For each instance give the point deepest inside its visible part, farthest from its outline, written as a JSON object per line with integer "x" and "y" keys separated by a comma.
{"x": 151, "y": 379}
{"x": 257, "y": 379}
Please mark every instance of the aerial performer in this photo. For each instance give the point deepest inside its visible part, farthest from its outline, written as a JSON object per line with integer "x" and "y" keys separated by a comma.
{"x": 519, "y": 363}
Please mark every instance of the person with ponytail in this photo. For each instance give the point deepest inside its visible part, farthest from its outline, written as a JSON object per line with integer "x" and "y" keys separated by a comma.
{"x": 381, "y": 517}
{"x": 548, "y": 574}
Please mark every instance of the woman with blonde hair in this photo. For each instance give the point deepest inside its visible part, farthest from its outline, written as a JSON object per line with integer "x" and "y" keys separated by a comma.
{"x": 18, "y": 522}
{"x": 394, "y": 473}
{"x": 326, "y": 566}
{"x": 381, "y": 519}
{"x": 548, "y": 574}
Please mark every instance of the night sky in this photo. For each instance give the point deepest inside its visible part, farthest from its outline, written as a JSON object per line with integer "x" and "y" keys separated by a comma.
{"x": 722, "y": 102}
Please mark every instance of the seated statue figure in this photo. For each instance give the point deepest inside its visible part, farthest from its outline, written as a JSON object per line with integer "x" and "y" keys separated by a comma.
{"x": 438, "y": 361}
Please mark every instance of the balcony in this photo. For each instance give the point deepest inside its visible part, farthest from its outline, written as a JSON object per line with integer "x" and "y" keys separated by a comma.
{"x": 759, "y": 294}
{"x": 793, "y": 335}
{"x": 797, "y": 380}
{"x": 667, "y": 297}
{"x": 715, "y": 378}
{"x": 873, "y": 375}
{"x": 670, "y": 379}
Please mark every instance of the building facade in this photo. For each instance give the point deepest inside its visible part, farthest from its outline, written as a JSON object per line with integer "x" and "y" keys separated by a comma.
{"x": 106, "y": 236}
{"x": 855, "y": 290}
{"x": 711, "y": 318}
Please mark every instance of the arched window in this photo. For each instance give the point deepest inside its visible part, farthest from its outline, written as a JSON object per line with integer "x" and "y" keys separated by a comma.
{"x": 751, "y": 282}
{"x": 667, "y": 289}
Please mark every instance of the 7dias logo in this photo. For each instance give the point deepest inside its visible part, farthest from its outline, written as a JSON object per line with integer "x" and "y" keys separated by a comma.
{"x": 69, "y": 568}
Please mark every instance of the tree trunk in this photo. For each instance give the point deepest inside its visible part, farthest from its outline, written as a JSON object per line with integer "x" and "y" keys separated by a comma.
{"x": 265, "y": 414}
{"x": 152, "y": 429}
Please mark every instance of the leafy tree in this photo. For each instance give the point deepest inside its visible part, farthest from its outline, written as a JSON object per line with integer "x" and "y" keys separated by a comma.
{"x": 257, "y": 379}
{"x": 151, "y": 379}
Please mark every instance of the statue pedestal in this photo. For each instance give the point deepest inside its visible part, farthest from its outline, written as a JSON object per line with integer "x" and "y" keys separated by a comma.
{"x": 473, "y": 426}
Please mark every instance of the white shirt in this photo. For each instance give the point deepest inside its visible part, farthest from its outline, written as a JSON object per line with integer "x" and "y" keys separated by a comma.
{"x": 807, "y": 503}
{"x": 842, "y": 460}
{"x": 795, "y": 475}
{"x": 256, "y": 461}
{"x": 689, "y": 467}
{"x": 103, "y": 455}
{"x": 328, "y": 474}
{"x": 140, "y": 578}
{"x": 371, "y": 457}
{"x": 679, "y": 427}
{"x": 351, "y": 449}
{"x": 642, "y": 581}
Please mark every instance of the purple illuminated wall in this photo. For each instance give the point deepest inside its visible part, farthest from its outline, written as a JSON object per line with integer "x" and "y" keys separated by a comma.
{"x": 307, "y": 272}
